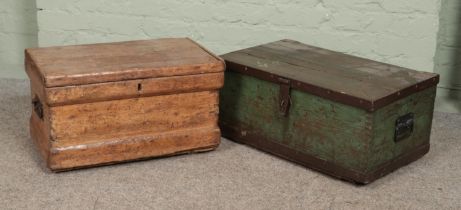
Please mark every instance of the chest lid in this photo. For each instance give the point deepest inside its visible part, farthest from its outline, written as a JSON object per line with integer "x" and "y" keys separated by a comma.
{"x": 110, "y": 62}
{"x": 336, "y": 76}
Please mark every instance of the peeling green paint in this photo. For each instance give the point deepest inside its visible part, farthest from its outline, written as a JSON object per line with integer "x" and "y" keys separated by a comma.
{"x": 382, "y": 147}
{"x": 347, "y": 136}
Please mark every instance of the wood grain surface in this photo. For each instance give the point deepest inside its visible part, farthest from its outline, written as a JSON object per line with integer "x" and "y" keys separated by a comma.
{"x": 133, "y": 88}
{"x": 128, "y": 117}
{"x": 345, "y": 74}
{"x": 117, "y": 102}
{"x": 106, "y": 62}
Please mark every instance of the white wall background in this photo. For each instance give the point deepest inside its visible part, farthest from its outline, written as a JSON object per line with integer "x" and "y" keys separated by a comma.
{"x": 18, "y": 30}
{"x": 448, "y": 57}
{"x": 403, "y": 33}
{"x": 398, "y": 32}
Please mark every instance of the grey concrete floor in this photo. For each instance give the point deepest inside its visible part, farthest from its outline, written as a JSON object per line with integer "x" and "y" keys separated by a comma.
{"x": 232, "y": 177}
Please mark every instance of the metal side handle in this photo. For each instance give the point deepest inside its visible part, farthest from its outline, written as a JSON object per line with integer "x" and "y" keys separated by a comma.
{"x": 404, "y": 127}
{"x": 38, "y": 107}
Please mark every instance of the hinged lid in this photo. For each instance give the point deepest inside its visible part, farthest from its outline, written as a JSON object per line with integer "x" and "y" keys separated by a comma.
{"x": 109, "y": 62}
{"x": 336, "y": 76}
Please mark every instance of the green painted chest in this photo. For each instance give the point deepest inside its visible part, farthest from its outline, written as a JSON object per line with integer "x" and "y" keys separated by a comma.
{"x": 349, "y": 117}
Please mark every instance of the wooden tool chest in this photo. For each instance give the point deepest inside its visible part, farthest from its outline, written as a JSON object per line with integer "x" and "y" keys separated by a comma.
{"x": 106, "y": 103}
{"x": 349, "y": 117}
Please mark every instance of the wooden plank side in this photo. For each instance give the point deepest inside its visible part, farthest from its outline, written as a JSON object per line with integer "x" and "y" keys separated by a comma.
{"x": 328, "y": 130}
{"x": 40, "y": 129}
{"x": 121, "y": 149}
{"x": 59, "y": 96}
{"x": 40, "y": 136}
{"x": 126, "y": 117}
{"x": 331, "y": 137}
{"x": 88, "y": 64}
{"x": 383, "y": 148}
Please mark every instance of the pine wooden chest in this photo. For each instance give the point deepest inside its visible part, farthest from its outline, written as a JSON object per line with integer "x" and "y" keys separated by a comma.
{"x": 106, "y": 103}
{"x": 348, "y": 117}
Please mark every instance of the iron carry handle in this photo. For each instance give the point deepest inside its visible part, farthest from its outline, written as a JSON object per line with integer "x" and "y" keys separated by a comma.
{"x": 404, "y": 127}
{"x": 38, "y": 107}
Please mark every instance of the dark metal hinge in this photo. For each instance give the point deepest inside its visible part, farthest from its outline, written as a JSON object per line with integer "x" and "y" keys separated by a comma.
{"x": 284, "y": 96}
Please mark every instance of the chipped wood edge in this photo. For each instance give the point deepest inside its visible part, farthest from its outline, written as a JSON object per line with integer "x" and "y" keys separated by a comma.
{"x": 209, "y": 52}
